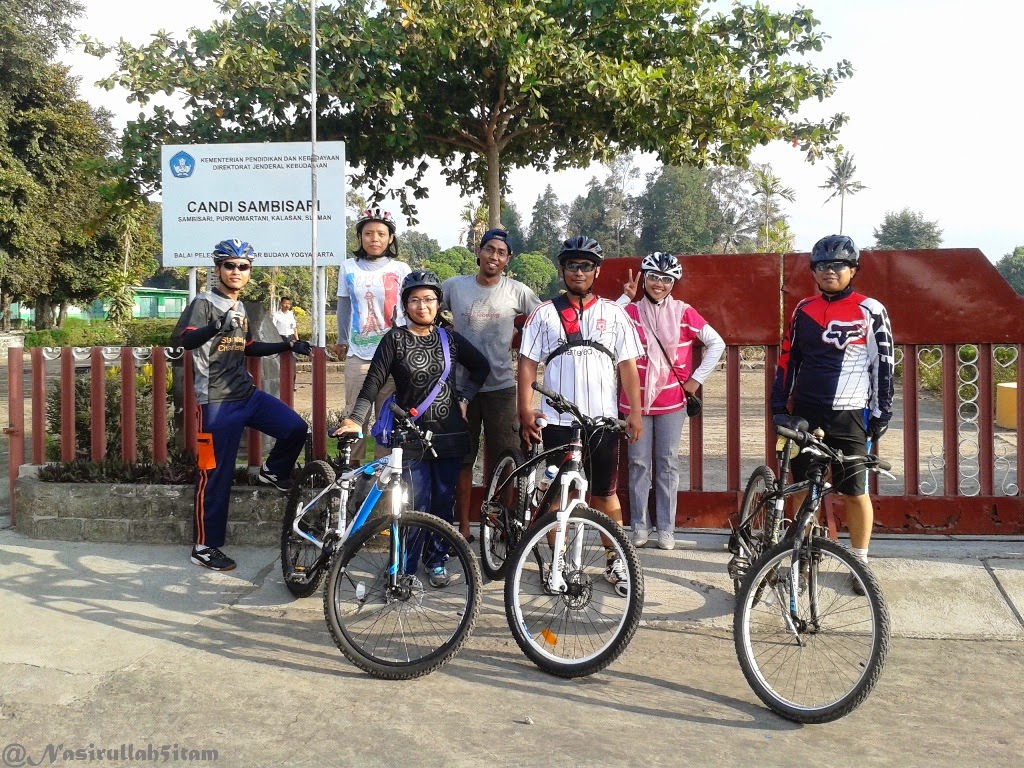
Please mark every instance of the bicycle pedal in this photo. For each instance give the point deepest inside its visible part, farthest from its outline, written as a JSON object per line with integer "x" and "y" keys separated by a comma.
{"x": 738, "y": 567}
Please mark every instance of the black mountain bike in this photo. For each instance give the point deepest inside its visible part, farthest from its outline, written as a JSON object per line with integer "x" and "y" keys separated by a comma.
{"x": 811, "y": 628}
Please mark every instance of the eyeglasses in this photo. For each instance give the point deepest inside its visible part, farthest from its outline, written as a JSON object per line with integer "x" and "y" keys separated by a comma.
{"x": 653, "y": 277}
{"x": 579, "y": 266}
{"x": 492, "y": 251}
{"x": 831, "y": 266}
{"x": 423, "y": 302}
{"x": 233, "y": 266}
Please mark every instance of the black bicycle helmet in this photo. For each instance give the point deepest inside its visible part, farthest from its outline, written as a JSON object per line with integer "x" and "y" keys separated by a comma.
{"x": 835, "y": 248}
{"x": 420, "y": 278}
{"x": 374, "y": 213}
{"x": 232, "y": 249}
{"x": 665, "y": 263}
{"x": 581, "y": 247}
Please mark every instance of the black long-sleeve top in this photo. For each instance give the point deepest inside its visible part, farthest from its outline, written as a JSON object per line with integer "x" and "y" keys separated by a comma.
{"x": 416, "y": 363}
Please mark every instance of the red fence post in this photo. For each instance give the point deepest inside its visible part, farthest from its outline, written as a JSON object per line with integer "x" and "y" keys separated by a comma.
{"x": 159, "y": 405}
{"x": 15, "y": 431}
{"x": 287, "y": 387}
{"x": 129, "y": 448}
{"x": 67, "y": 404}
{"x": 97, "y": 404}
{"x": 950, "y": 422}
{"x": 986, "y": 415}
{"x": 911, "y": 438}
{"x": 38, "y": 406}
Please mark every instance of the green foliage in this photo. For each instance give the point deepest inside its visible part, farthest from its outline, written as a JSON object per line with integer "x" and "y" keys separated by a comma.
{"x": 534, "y": 270}
{"x": 149, "y": 332}
{"x": 679, "y": 212}
{"x": 929, "y": 368}
{"x": 771, "y": 191}
{"x": 112, "y": 415}
{"x": 1011, "y": 267}
{"x": 547, "y": 228}
{"x": 100, "y": 335}
{"x": 906, "y": 231}
{"x": 417, "y": 249}
{"x": 486, "y": 87}
{"x": 451, "y": 262}
{"x": 842, "y": 183}
{"x": 179, "y": 469}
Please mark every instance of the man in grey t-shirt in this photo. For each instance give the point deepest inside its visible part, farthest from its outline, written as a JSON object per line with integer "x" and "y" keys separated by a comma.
{"x": 484, "y": 306}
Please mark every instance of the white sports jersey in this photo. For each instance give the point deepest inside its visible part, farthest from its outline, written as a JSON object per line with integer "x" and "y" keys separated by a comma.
{"x": 584, "y": 375}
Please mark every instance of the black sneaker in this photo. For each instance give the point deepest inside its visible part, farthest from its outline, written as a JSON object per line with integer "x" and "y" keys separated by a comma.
{"x": 212, "y": 558}
{"x": 267, "y": 477}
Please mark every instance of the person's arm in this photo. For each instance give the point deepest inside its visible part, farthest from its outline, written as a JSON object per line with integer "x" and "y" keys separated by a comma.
{"x": 476, "y": 365}
{"x": 786, "y": 370}
{"x": 198, "y": 324}
{"x": 629, "y": 377}
{"x": 714, "y": 347}
{"x": 526, "y": 375}
{"x": 380, "y": 369}
{"x": 883, "y": 370}
{"x": 266, "y": 348}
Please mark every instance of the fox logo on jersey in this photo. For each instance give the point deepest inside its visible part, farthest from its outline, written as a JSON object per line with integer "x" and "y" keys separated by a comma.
{"x": 840, "y": 334}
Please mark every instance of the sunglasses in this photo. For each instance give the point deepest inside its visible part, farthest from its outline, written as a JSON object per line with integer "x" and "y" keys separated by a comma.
{"x": 831, "y": 266}
{"x": 235, "y": 266}
{"x": 653, "y": 277}
{"x": 579, "y": 266}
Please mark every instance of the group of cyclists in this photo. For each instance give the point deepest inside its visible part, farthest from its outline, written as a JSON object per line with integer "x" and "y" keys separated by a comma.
{"x": 633, "y": 356}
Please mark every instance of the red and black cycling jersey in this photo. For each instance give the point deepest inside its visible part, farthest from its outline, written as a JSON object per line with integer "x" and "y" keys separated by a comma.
{"x": 837, "y": 355}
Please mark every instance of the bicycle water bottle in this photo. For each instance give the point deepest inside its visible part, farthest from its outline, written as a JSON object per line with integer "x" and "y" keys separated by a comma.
{"x": 544, "y": 483}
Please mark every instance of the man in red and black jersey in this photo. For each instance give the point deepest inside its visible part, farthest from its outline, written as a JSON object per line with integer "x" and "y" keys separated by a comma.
{"x": 836, "y": 371}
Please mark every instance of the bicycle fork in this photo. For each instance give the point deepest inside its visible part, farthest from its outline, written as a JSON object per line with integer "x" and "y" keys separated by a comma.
{"x": 556, "y": 579}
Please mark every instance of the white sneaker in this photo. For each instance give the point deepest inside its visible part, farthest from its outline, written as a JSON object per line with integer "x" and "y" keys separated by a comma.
{"x": 666, "y": 540}
{"x": 640, "y": 537}
{"x": 616, "y": 575}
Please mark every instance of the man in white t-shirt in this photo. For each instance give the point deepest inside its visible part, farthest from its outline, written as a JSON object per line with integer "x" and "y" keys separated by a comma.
{"x": 284, "y": 320}
{"x": 484, "y": 307}
{"x": 584, "y": 369}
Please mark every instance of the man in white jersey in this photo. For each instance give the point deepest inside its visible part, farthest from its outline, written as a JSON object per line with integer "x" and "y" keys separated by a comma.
{"x": 586, "y": 343}
{"x": 484, "y": 307}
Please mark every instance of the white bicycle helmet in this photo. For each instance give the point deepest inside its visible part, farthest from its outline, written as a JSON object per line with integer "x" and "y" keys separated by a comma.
{"x": 665, "y": 263}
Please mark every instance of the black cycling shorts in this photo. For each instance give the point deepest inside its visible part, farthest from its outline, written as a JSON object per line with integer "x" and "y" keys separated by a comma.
{"x": 847, "y": 431}
{"x": 600, "y": 457}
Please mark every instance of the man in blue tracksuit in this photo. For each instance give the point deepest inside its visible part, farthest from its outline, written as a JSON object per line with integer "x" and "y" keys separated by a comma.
{"x": 216, "y": 330}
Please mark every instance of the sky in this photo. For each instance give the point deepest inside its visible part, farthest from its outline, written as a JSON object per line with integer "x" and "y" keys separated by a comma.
{"x": 934, "y": 107}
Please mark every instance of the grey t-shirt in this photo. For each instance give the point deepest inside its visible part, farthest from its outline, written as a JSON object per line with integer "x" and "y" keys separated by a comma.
{"x": 484, "y": 315}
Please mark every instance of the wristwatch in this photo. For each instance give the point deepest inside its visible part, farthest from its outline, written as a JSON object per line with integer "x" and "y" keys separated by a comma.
{"x": 463, "y": 399}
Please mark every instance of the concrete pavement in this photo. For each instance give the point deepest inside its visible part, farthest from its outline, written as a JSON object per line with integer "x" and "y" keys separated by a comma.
{"x": 130, "y": 649}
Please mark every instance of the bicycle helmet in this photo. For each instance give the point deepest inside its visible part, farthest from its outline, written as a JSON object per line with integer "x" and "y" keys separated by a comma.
{"x": 232, "y": 249}
{"x": 835, "y": 248}
{"x": 581, "y": 247}
{"x": 665, "y": 263}
{"x": 374, "y": 213}
{"x": 420, "y": 278}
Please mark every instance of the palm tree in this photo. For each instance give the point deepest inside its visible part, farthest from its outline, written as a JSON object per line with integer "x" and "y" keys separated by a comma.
{"x": 475, "y": 219}
{"x": 770, "y": 188}
{"x": 841, "y": 182}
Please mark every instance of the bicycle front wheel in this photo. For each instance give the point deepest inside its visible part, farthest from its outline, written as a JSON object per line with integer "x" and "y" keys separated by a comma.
{"x": 299, "y": 556}
{"x": 503, "y": 506}
{"x": 586, "y": 626}
{"x": 755, "y": 529}
{"x": 822, "y": 665}
{"x": 405, "y": 629}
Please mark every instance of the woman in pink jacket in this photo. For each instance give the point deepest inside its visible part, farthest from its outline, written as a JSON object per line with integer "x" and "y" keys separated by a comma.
{"x": 667, "y": 329}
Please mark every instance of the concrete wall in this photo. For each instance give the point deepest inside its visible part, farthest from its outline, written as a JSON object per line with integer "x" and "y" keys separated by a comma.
{"x": 150, "y": 514}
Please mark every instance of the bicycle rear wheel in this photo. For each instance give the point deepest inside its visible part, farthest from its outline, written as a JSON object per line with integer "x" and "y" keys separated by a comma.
{"x": 824, "y": 666}
{"x": 403, "y": 631}
{"x": 299, "y": 556}
{"x": 585, "y": 628}
{"x": 499, "y": 532}
{"x": 755, "y": 534}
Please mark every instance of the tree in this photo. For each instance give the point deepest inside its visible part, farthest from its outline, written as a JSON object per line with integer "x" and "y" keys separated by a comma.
{"x": 841, "y": 182}
{"x": 547, "y": 228}
{"x": 1011, "y": 267}
{"x": 907, "y": 231}
{"x": 487, "y": 87}
{"x": 771, "y": 191}
{"x": 679, "y": 213}
{"x": 738, "y": 211}
{"x": 417, "y": 248}
{"x": 621, "y": 215}
{"x": 534, "y": 270}
{"x": 453, "y": 261}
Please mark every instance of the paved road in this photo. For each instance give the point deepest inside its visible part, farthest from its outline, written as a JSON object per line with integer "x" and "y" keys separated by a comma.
{"x": 107, "y": 645}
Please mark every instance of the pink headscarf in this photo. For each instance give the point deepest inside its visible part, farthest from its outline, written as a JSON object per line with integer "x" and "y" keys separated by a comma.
{"x": 663, "y": 322}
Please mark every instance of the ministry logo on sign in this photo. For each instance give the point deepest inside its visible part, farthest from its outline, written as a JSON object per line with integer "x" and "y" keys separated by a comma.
{"x": 182, "y": 165}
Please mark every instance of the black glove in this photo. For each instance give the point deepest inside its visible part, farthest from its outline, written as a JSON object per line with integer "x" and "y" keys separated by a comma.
{"x": 231, "y": 319}
{"x": 302, "y": 348}
{"x": 780, "y": 411}
{"x": 877, "y": 428}
{"x": 693, "y": 405}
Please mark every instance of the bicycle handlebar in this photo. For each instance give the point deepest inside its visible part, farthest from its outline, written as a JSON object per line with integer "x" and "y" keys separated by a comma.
{"x": 561, "y": 405}
{"x": 406, "y": 419}
{"x": 803, "y": 438}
